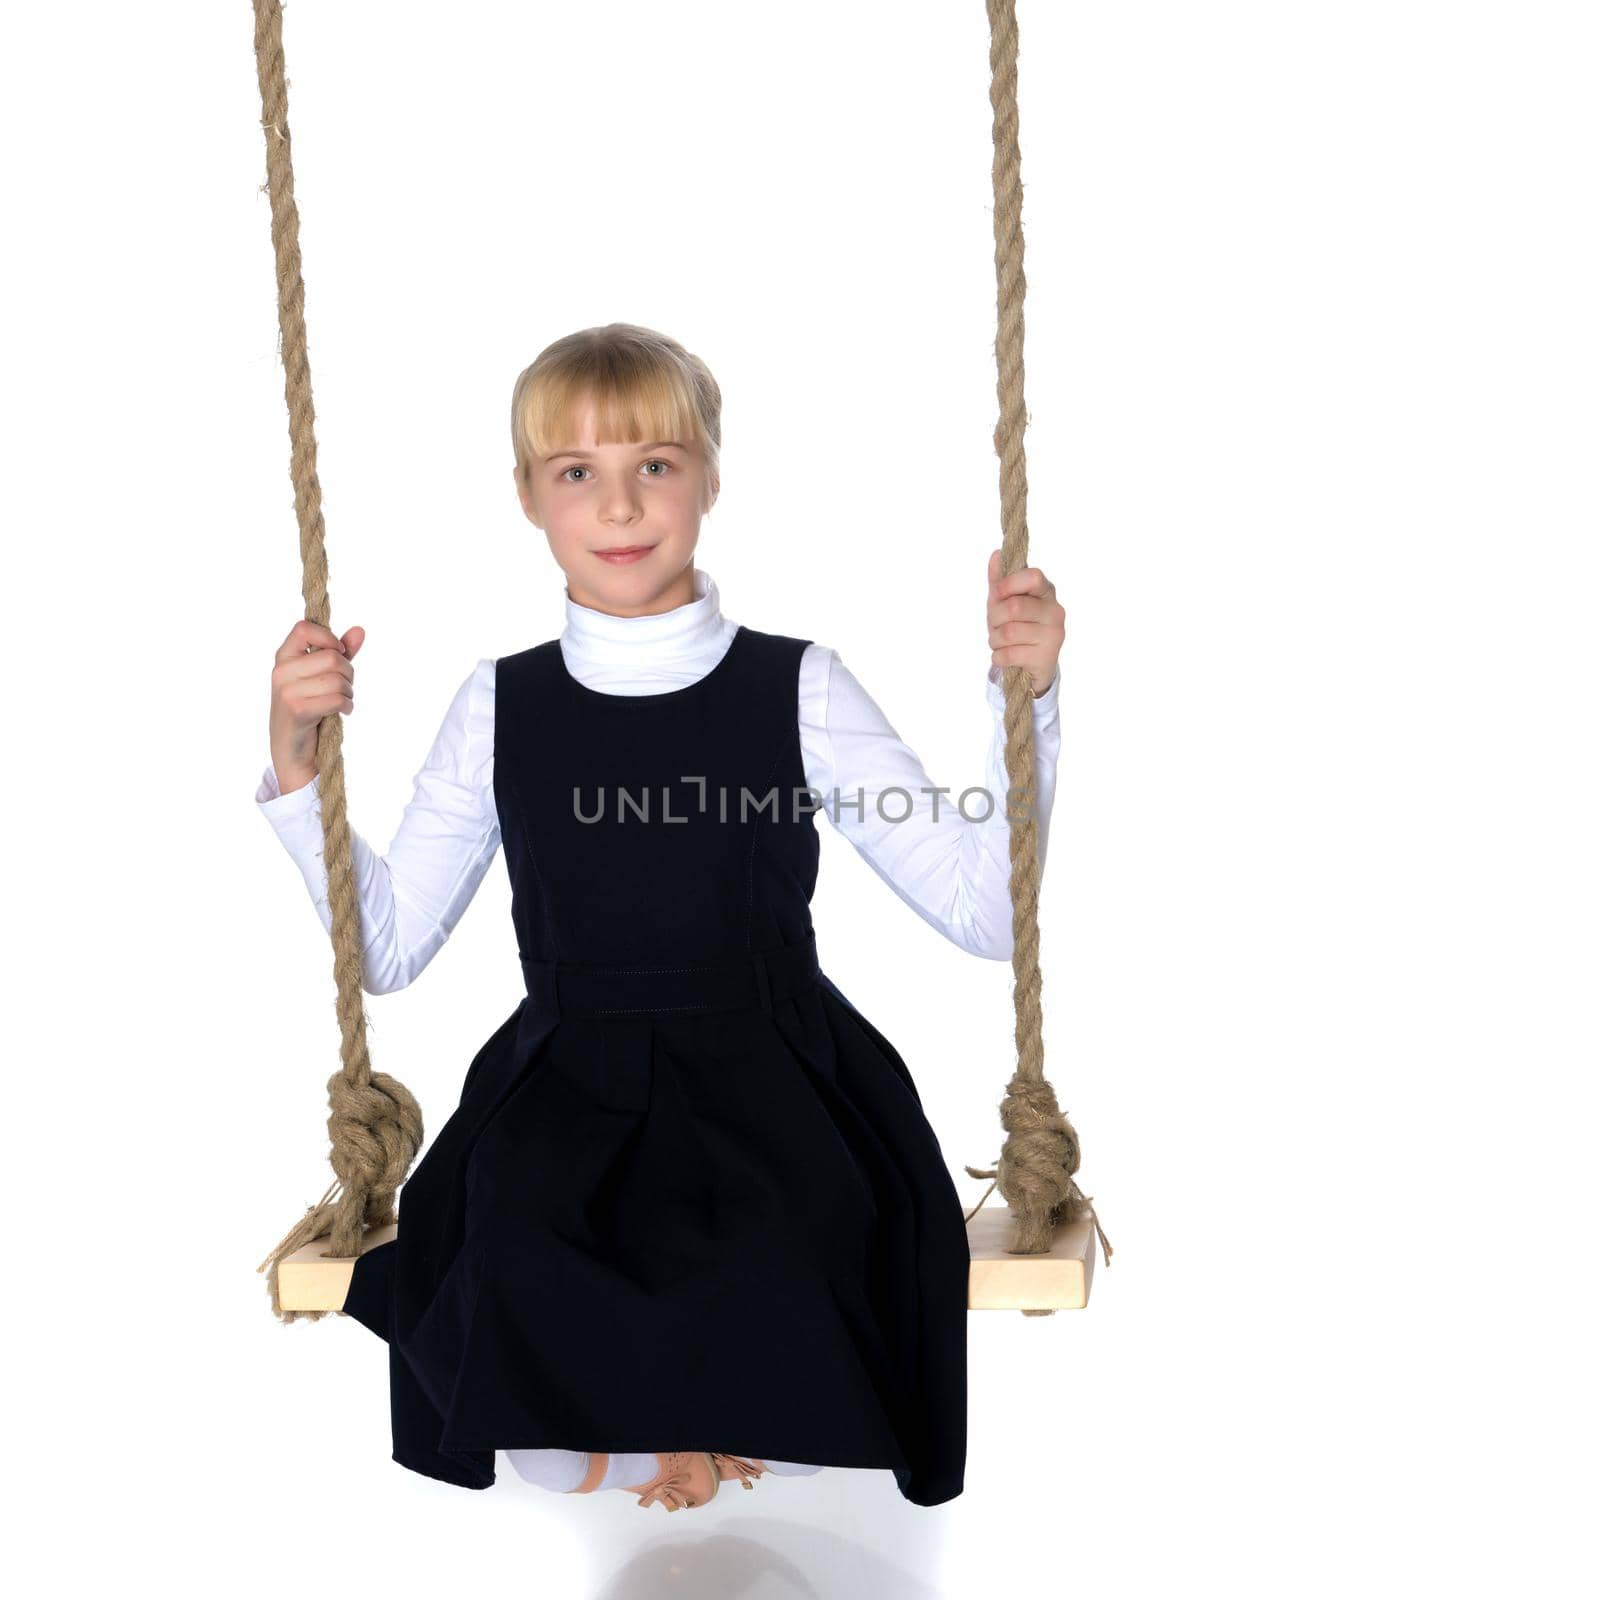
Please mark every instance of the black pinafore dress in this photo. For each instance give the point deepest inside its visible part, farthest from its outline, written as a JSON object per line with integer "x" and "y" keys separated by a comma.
{"x": 689, "y": 1199}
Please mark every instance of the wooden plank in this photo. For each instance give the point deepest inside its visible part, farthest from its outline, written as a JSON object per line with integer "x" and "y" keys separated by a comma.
{"x": 311, "y": 1281}
{"x": 1057, "y": 1280}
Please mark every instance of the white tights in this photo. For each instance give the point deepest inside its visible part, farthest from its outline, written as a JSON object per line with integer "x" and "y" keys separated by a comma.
{"x": 564, "y": 1470}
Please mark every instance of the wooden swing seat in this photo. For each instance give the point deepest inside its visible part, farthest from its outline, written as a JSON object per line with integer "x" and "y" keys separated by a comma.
{"x": 1055, "y": 1281}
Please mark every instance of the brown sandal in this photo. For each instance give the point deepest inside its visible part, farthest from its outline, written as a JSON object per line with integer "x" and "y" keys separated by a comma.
{"x": 686, "y": 1478}
{"x": 745, "y": 1468}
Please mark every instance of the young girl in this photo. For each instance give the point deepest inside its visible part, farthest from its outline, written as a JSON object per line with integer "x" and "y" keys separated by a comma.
{"x": 689, "y": 1222}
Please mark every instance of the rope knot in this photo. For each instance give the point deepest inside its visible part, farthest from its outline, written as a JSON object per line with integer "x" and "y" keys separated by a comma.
{"x": 376, "y": 1130}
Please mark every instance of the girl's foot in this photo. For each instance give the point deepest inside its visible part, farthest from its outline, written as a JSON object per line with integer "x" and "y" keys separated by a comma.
{"x": 686, "y": 1478}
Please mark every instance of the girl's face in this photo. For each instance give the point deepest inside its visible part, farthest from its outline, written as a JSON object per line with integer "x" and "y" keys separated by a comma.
{"x": 591, "y": 498}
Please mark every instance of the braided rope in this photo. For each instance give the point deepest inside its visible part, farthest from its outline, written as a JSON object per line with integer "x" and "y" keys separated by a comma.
{"x": 1041, "y": 1151}
{"x": 374, "y": 1123}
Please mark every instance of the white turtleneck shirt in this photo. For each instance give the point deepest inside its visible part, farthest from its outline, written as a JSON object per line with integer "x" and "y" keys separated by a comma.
{"x": 949, "y": 862}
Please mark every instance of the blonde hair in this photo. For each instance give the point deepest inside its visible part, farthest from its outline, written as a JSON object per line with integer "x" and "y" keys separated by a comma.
{"x": 644, "y": 385}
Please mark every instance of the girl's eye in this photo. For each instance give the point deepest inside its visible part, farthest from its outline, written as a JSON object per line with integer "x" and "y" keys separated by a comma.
{"x": 653, "y": 462}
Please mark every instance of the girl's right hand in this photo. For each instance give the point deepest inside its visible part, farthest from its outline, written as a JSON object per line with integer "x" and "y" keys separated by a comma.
{"x": 312, "y": 676}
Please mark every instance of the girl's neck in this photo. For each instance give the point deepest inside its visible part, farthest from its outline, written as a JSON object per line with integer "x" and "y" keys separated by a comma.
{"x": 683, "y": 628}
{"x": 680, "y": 591}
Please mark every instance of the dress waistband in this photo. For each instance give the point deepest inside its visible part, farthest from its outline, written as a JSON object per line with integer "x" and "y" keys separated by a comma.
{"x": 574, "y": 989}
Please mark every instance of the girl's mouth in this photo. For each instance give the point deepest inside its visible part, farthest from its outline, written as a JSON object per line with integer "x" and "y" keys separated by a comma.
{"x": 621, "y": 555}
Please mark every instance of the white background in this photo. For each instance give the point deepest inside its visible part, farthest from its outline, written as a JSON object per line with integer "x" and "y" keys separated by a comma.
{"x": 1312, "y": 344}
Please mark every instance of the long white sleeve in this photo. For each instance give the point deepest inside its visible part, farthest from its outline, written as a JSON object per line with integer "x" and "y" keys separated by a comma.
{"x": 953, "y": 872}
{"x": 414, "y": 894}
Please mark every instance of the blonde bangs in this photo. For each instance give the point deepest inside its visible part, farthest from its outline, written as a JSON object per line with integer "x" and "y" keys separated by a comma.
{"x": 642, "y": 384}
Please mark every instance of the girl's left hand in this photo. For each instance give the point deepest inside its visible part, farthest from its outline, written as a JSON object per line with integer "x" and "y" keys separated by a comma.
{"x": 1027, "y": 626}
